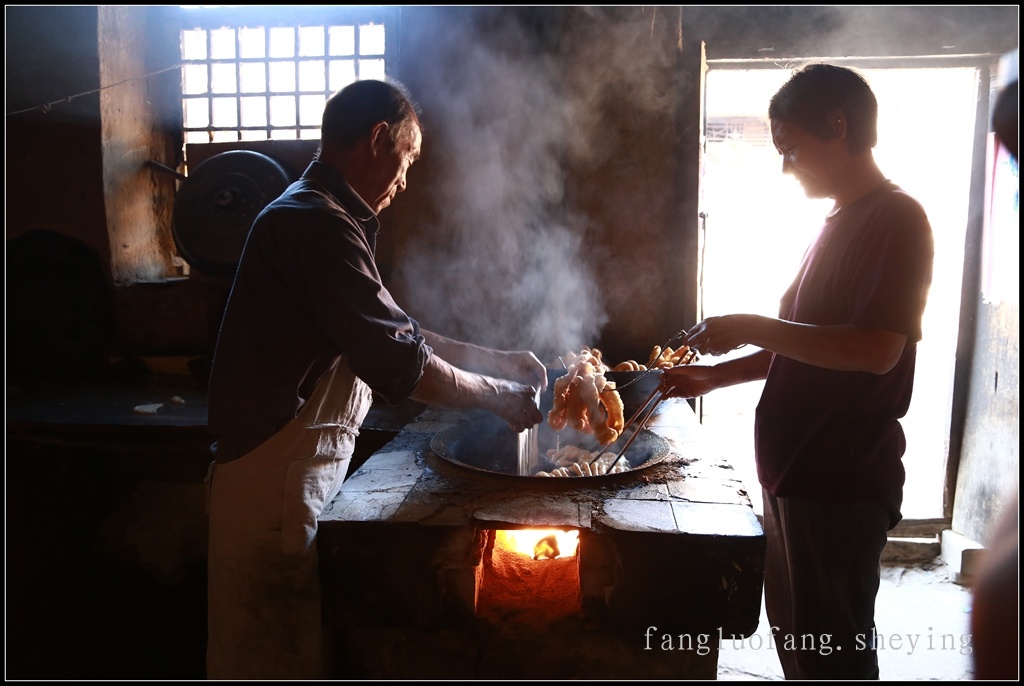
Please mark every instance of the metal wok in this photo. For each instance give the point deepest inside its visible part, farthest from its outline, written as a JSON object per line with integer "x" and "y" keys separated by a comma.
{"x": 489, "y": 446}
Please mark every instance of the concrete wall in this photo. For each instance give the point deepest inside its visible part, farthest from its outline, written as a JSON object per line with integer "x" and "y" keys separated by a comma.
{"x": 990, "y": 457}
{"x": 54, "y": 176}
{"x": 138, "y": 200}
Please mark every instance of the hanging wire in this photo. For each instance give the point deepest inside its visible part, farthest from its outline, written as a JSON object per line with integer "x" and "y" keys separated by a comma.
{"x": 45, "y": 108}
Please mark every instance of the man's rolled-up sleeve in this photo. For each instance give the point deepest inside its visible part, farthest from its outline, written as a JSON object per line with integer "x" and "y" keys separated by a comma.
{"x": 394, "y": 370}
{"x": 362, "y": 320}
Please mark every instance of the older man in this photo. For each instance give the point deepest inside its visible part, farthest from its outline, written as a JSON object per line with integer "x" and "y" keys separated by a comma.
{"x": 308, "y": 333}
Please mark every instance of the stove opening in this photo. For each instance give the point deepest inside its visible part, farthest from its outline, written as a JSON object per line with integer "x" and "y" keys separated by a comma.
{"x": 529, "y": 575}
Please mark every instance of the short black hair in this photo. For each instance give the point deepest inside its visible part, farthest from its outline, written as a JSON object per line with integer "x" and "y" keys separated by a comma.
{"x": 817, "y": 89}
{"x": 352, "y": 112}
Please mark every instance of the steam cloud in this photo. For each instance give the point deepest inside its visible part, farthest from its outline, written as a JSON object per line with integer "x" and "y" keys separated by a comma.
{"x": 508, "y": 264}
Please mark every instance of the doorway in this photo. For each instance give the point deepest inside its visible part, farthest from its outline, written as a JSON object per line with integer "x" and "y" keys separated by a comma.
{"x": 758, "y": 222}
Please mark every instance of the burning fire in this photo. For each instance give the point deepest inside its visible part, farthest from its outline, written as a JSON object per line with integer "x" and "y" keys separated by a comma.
{"x": 539, "y": 544}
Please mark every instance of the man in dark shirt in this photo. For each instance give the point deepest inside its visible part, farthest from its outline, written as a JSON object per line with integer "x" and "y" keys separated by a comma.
{"x": 309, "y": 332}
{"x": 838, "y": 365}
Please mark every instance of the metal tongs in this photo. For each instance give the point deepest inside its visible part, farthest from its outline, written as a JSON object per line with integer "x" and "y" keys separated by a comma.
{"x": 672, "y": 342}
{"x": 649, "y": 406}
{"x": 647, "y": 409}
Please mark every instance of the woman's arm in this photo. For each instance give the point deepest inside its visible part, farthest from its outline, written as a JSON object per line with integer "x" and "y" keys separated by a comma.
{"x": 844, "y": 347}
{"x": 694, "y": 380}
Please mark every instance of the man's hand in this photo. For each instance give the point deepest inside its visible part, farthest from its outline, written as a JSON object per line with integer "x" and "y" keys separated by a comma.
{"x": 449, "y": 386}
{"x": 519, "y": 365}
{"x": 516, "y": 403}
{"x": 522, "y": 366}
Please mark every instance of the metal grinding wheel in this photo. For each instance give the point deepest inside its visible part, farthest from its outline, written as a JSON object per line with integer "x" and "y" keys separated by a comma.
{"x": 217, "y": 203}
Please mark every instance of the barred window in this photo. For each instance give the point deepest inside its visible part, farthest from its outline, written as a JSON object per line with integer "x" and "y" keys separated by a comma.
{"x": 248, "y": 76}
{"x": 749, "y": 130}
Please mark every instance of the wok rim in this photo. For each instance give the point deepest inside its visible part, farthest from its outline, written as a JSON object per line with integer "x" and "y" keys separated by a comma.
{"x": 439, "y": 442}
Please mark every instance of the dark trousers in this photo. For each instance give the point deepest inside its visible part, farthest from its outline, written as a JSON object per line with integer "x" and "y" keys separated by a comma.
{"x": 821, "y": 577}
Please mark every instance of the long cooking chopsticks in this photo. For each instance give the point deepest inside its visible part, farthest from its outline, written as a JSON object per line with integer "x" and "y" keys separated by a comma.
{"x": 649, "y": 406}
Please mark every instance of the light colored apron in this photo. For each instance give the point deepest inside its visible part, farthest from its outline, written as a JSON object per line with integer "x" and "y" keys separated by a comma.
{"x": 263, "y": 583}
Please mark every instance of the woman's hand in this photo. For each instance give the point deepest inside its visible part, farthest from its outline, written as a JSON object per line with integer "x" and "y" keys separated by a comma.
{"x": 719, "y": 335}
{"x": 694, "y": 380}
{"x": 688, "y": 381}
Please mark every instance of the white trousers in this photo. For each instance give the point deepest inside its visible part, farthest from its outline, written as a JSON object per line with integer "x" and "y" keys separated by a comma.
{"x": 263, "y": 583}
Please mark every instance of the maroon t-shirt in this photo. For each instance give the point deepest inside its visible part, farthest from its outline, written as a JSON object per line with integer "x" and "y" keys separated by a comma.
{"x": 833, "y": 435}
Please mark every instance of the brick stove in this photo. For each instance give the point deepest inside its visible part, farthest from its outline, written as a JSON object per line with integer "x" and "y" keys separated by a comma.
{"x": 418, "y": 583}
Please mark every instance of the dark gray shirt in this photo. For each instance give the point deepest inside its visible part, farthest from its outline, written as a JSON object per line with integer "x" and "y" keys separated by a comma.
{"x": 307, "y": 290}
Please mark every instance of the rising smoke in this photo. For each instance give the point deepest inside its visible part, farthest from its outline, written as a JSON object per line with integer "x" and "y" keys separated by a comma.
{"x": 511, "y": 262}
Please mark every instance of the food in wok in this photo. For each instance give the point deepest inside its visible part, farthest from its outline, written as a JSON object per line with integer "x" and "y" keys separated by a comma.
{"x": 571, "y": 460}
{"x": 587, "y": 401}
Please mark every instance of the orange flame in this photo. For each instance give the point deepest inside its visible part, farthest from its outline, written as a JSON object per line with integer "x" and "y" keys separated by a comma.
{"x": 539, "y": 544}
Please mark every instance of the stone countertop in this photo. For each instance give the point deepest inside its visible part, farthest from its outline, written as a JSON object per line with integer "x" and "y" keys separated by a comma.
{"x": 405, "y": 552}
{"x": 694, "y": 491}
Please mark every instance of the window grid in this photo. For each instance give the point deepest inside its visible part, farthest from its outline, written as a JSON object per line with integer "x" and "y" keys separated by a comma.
{"x": 223, "y": 100}
{"x": 746, "y": 129}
